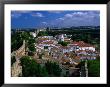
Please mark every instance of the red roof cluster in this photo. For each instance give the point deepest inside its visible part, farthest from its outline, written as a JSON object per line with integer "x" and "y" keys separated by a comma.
{"x": 82, "y": 44}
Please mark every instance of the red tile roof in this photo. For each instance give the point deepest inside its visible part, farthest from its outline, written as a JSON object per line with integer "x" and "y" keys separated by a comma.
{"x": 82, "y": 44}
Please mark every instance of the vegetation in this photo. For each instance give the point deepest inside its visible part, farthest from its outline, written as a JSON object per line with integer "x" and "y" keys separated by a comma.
{"x": 13, "y": 60}
{"x": 91, "y": 36}
{"x": 32, "y": 48}
{"x": 31, "y": 68}
{"x": 63, "y": 43}
{"x": 53, "y": 69}
{"x": 17, "y": 41}
{"x": 94, "y": 68}
{"x": 42, "y": 33}
{"x": 31, "y": 40}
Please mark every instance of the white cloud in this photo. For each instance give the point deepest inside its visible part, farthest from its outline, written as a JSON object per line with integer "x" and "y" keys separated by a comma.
{"x": 82, "y": 14}
{"x": 60, "y": 19}
{"x": 37, "y": 14}
{"x": 15, "y": 15}
{"x": 76, "y": 14}
{"x": 18, "y": 13}
{"x": 69, "y": 15}
{"x": 44, "y": 22}
{"x": 79, "y": 18}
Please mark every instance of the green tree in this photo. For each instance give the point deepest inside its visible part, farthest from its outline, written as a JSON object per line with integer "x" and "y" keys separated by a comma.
{"x": 53, "y": 68}
{"x": 42, "y": 33}
{"x": 63, "y": 43}
{"x": 30, "y": 68}
{"x": 31, "y": 41}
{"x": 13, "y": 60}
{"x": 32, "y": 48}
{"x": 44, "y": 72}
{"x": 25, "y": 35}
{"x": 94, "y": 68}
{"x": 16, "y": 41}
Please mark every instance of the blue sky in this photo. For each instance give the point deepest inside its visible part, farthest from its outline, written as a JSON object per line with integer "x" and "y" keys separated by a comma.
{"x": 39, "y": 19}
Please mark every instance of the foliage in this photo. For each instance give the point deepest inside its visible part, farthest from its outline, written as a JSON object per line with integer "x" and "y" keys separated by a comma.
{"x": 94, "y": 68}
{"x": 17, "y": 39}
{"x": 30, "y": 53}
{"x": 31, "y": 40}
{"x": 91, "y": 36}
{"x": 31, "y": 45}
{"x": 13, "y": 60}
{"x": 25, "y": 35}
{"x": 53, "y": 69}
{"x": 82, "y": 63}
{"x": 63, "y": 43}
{"x": 32, "y": 48}
{"x": 42, "y": 33}
{"x": 44, "y": 72}
{"x": 30, "y": 68}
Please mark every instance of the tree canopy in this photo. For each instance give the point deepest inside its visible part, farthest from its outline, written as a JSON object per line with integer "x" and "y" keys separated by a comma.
{"x": 42, "y": 33}
{"x": 13, "y": 60}
{"x": 63, "y": 43}
{"x": 94, "y": 68}
{"x": 53, "y": 68}
{"x": 30, "y": 68}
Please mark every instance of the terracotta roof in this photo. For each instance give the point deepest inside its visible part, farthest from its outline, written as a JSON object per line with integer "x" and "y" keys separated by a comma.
{"x": 77, "y": 57}
{"x": 82, "y": 44}
{"x": 64, "y": 47}
{"x": 65, "y": 60}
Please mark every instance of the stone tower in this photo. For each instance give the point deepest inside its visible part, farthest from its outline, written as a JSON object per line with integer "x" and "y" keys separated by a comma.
{"x": 62, "y": 37}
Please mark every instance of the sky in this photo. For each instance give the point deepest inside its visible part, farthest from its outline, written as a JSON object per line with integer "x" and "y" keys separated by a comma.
{"x": 41, "y": 19}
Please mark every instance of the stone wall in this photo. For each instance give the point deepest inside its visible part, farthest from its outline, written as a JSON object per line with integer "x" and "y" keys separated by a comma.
{"x": 16, "y": 68}
{"x": 21, "y": 51}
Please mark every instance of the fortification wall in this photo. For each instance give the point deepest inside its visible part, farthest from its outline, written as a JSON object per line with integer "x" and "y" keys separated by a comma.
{"x": 21, "y": 51}
{"x": 16, "y": 69}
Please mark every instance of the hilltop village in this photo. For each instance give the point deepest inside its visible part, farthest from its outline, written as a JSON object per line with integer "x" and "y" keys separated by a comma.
{"x": 61, "y": 49}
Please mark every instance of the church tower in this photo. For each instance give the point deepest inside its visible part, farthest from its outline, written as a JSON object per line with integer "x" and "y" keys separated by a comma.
{"x": 62, "y": 37}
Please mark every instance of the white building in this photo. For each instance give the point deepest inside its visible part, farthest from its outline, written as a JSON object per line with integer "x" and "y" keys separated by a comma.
{"x": 83, "y": 46}
{"x": 33, "y": 34}
{"x": 60, "y": 37}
